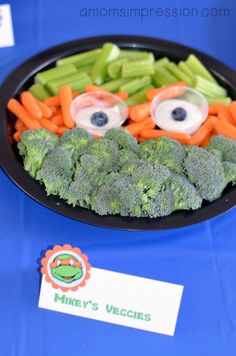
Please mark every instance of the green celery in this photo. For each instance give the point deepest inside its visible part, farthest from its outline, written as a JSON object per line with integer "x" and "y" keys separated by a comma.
{"x": 54, "y": 73}
{"x": 210, "y": 89}
{"x": 109, "y": 53}
{"x": 198, "y": 68}
{"x": 162, "y": 62}
{"x": 114, "y": 85}
{"x": 76, "y": 81}
{"x": 179, "y": 74}
{"x": 163, "y": 77}
{"x": 183, "y": 66}
{"x": 224, "y": 101}
{"x": 135, "y": 85}
{"x": 80, "y": 59}
{"x": 140, "y": 97}
{"x": 133, "y": 69}
{"x": 114, "y": 68}
{"x": 39, "y": 91}
{"x": 85, "y": 69}
{"x": 136, "y": 55}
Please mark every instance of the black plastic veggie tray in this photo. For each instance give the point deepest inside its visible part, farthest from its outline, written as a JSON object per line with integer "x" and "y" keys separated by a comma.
{"x": 22, "y": 78}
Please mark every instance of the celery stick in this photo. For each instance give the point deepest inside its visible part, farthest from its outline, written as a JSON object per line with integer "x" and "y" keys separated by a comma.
{"x": 85, "y": 69}
{"x": 54, "y": 73}
{"x": 198, "y": 68}
{"x": 163, "y": 77}
{"x": 80, "y": 59}
{"x": 76, "y": 81}
{"x": 208, "y": 88}
{"x": 135, "y": 85}
{"x": 224, "y": 101}
{"x": 109, "y": 53}
{"x": 162, "y": 62}
{"x": 183, "y": 66}
{"x": 114, "y": 68}
{"x": 179, "y": 74}
{"x": 133, "y": 69}
{"x": 114, "y": 85}
{"x": 140, "y": 97}
{"x": 39, "y": 91}
{"x": 136, "y": 55}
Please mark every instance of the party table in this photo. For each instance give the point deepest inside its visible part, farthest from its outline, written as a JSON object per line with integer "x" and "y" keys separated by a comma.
{"x": 202, "y": 257}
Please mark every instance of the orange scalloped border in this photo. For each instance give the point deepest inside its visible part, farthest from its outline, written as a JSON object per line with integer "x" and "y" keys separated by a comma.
{"x": 69, "y": 248}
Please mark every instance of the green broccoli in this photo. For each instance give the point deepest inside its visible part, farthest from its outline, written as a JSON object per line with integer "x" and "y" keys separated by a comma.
{"x": 129, "y": 166}
{"x": 123, "y": 139}
{"x": 205, "y": 171}
{"x": 161, "y": 205}
{"x": 76, "y": 142}
{"x": 57, "y": 171}
{"x": 126, "y": 155}
{"x": 165, "y": 151}
{"x": 185, "y": 195}
{"x": 229, "y": 173}
{"x": 107, "y": 152}
{"x": 106, "y": 200}
{"x": 34, "y": 146}
{"x": 223, "y": 147}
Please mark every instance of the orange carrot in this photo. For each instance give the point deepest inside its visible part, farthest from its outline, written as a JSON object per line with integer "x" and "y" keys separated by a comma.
{"x": 18, "y": 110}
{"x": 52, "y": 101}
{"x": 122, "y": 95}
{"x": 49, "y": 125}
{"x": 66, "y": 99}
{"x": 149, "y": 123}
{"x": 135, "y": 128}
{"x": 75, "y": 94}
{"x": 19, "y": 126}
{"x": 222, "y": 112}
{"x": 151, "y": 134}
{"x": 96, "y": 137}
{"x": 232, "y": 110}
{"x": 31, "y": 105}
{"x": 91, "y": 88}
{"x": 140, "y": 112}
{"x": 141, "y": 139}
{"x": 206, "y": 140}
{"x": 200, "y": 135}
{"x": 17, "y": 135}
{"x": 58, "y": 119}
{"x": 167, "y": 95}
{"x": 61, "y": 130}
{"x": 46, "y": 111}
{"x": 225, "y": 128}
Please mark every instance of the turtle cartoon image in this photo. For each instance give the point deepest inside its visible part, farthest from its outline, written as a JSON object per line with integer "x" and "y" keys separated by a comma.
{"x": 66, "y": 268}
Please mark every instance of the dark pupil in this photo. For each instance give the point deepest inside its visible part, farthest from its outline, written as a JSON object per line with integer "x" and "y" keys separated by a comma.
{"x": 99, "y": 118}
{"x": 179, "y": 114}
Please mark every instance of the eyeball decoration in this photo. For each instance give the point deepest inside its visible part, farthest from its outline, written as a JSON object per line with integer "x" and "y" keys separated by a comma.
{"x": 179, "y": 109}
{"x": 98, "y": 112}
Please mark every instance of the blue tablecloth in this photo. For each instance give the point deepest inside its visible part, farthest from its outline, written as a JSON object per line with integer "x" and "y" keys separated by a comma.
{"x": 201, "y": 257}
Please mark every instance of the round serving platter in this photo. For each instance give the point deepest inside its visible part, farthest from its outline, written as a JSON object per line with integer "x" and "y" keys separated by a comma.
{"x": 22, "y": 78}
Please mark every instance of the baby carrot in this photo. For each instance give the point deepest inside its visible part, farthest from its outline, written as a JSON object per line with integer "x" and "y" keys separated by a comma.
{"x": 49, "y": 125}
{"x": 75, "y": 94}
{"x": 58, "y": 119}
{"x": 122, "y": 95}
{"x": 135, "y": 128}
{"x": 149, "y": 123}
{"x": 140, "y": 112}
{"x": 232, "y": 110}
{"x": 19, "y": 126}
{"x": 17, "y": 135}
{"x": 151, "y": 134}
{"x": 61, "y": 130}
{"x": 167, "y": 95}
{"x": 30, "y": 104}
{"x": 66, "y": 99}
{"x": 222, "y": 112}
{"x": 206, "y": 140}
{"x": 52, "y": 101}
{"x": 225, "y": 128}
{"x": 91, "y": 88}
{"x": 17, "y": 109}
{"x": 46, "y": 111}
{"x": 199, "y": 136}
{"x": 141, "y": 139}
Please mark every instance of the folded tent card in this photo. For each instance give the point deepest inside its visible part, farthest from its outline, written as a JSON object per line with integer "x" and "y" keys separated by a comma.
{"x": 70, "y": 285}
{"x": 6, "y": 28}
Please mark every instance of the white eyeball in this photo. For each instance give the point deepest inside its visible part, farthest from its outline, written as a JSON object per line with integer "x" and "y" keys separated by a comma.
{"x": 71, "y": 263}
{"x": 58, "y": 263}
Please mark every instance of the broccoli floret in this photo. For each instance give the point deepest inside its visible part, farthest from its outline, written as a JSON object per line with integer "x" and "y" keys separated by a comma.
{"x": 230, "y": 173}
{"x": 34, "y": 146}
{"x": 185, "y": 194}
{"x": 76, "y": 142}
{"x": 128, "y": 167}
{"x": 205, "y": 171}
{"x": 126, "y": 155}
{"x": 107, "y": 152}
{"x": 106, "y": 200}
{"x": 165, "y": 151}
{"x": 123, "y": 139}
{"x": 89, "y": 174}
{"x": 57, "y": 171}
{"x": 161, "y": 205}
{"x": 223, "y": 148}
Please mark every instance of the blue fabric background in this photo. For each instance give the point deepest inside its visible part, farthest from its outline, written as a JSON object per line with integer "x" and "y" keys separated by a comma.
{"x": 201, "y": 257}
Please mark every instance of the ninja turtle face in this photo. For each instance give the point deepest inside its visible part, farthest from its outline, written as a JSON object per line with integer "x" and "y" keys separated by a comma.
{"x": 66, "y": 268}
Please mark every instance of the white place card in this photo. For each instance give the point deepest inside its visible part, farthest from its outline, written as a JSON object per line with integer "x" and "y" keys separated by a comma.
{"x": 6, "y": 28}
{"x": 118, "y": 298}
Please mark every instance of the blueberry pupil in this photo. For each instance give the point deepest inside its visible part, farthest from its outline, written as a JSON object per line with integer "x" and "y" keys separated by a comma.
{"x": 99, "y": 118}
{"x": 179, "y": 114}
